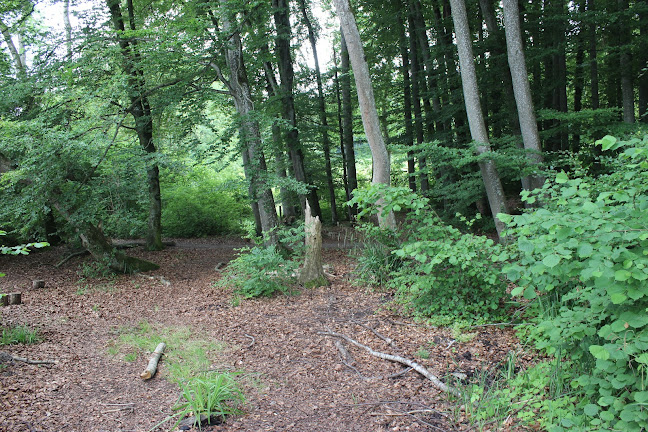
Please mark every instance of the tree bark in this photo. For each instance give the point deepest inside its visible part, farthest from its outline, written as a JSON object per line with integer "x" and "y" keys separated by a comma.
{"x": 67, "y": 26}
{"x": 593, "y": 62}
{"x": 326, "y": 142}
{"x": 370, "y": 121}
{"x": 140, "y": 109}
{"x": 643, "y": 61}
{"x": 489, "y": 173}
{"x": 625, "y": 63}
{"x": 286, "y": 73}
{"x": 338, "y": 100}
{"x": 408, "y": 138}
{"x": 522, "y": 89}
{"x": 312, "y": 275}
{"x": 347, "y": 125}
{"x": 239, "y": 87}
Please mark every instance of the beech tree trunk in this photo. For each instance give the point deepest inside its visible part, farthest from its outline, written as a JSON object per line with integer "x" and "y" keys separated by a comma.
{"x": 625, "y": 63}
{"x": 239, "y": 87}
{"x": 492, "y": 182}
{"x": 338, "y": 99}
{"x": 286, "y": 73}
{"x": 522, "y": 89}
{"x": 347, "y": 125}
{"x": 416, "y": 99}
{"x": 370, "y": 121}
{"x": 643, "y": 62}
{"x": 408, "y": 139}
{"x": 140, "y": 109}
{"x": 326, "y": 142}
{"x": 593, "y": 62}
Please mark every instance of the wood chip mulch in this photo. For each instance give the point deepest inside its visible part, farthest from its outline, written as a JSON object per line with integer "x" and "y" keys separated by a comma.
{"x": 295, "y": 379}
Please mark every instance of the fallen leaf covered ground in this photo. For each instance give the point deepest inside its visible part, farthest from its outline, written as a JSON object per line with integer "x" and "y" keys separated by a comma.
{"x": 293, "y": 377}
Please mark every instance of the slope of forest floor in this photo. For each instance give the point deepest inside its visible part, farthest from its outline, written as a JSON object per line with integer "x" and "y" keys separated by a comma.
{"x": 294, "y": 379}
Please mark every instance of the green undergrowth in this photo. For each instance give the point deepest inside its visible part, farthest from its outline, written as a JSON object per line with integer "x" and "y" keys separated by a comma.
{"x": 438, "y": 273}
{"x": 19, "y": 335}
{"x": 188, "y": 361}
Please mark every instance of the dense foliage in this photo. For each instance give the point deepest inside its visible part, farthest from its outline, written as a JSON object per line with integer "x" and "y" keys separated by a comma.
{"x": 584, "y": 255}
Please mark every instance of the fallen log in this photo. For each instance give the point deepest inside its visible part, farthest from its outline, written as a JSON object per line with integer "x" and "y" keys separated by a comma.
{"x": 398, "y": 359}
{"x": 38, "y": 284}
{"x": 11, "y": 299}
{"x": 150, "y": 370}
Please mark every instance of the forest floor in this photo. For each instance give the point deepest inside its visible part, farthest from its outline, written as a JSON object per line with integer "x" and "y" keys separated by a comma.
{"x": 293, "y": 377}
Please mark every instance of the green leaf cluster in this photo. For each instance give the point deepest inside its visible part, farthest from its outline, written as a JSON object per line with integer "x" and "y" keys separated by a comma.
{"x": 585, "y": 255}
{"x": 445, "y": 274}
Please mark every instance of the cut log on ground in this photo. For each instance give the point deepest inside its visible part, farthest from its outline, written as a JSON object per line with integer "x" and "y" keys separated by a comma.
{"x": 150, "y": 370}
{"x": 394, "y": 358}
{"x": 38, "y": 284}
{"x": 11, "y": 299}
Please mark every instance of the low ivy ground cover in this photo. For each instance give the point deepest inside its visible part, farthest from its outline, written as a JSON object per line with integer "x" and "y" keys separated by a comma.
{"x": 584, "y": 254}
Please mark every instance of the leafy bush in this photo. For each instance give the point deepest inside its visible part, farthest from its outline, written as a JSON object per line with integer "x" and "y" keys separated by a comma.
{"x": 585, "y": 254}
{"x": 259, "y": 272}
{"x": 446, "y": 275}
{"x": 202, "y": 205}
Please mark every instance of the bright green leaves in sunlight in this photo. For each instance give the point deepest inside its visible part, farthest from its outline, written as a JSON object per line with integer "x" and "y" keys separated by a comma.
{"x": 585, "y": 255}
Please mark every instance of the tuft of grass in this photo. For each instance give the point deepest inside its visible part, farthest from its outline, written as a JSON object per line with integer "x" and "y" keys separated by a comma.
{"x": 19, "y": 335}
{"x": 423, "y": 353}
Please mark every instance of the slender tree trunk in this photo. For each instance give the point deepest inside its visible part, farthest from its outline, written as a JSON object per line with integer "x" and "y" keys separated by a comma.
{"x": 140, "y": 109}
{"x": 522, "y": 89}
{"x": 593, "y": 62}
{"x": 326, "y": 142}
{"x": 67, "y": 27}
{"x": 625, "y": 63}
{"x": 338, "y": 99}
{"x": 643, "y": 61}
{"x": 416, "y": 100}
{"x": 347, "y": 125}
{"x": 286, "y": 73}
{"x": 379, "y": 154}
{"x": 491, "y": 178}
{"x": 239, "y": 87}
{"x": 408, "y": 139}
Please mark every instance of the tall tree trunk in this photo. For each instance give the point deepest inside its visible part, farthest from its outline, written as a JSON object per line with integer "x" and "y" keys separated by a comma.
{"x": 286, "y": 73}
{"x": 416, "y": 100}
{"x": 522, "y": 89}
{"x": 491, "y": 178}
{"x": 625, "y": 63}
{"x": 593, "y": 62}
{"x": 239, "y": 87}
{"x": 67, "y": 26}
{"x": 338, "y": 100}
{"x": 408, "y": 139}
{"x": 140, "y": 109}
{"x": 347, "y": 124}
{"x": 643, "y": 61}
{"x": 326, "y": 142}
{"x": 379, "y": 154}
{"x": 497, "y": 44}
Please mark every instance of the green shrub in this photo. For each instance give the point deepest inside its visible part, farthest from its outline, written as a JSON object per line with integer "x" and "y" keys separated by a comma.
{"x": 259, "y": 272}
{"x": 376, "y": 262}
{"x": 585, "y": 254}
{"x": 202, "y": 205}
{"x": 445, "y": 275}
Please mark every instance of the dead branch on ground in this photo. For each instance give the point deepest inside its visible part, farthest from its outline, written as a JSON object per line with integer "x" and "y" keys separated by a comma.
{"x": 394, "y": 358}
{"x": 72, "y": 255}
{"x": 153, "y": 362}
{"x": 8, "y": 356}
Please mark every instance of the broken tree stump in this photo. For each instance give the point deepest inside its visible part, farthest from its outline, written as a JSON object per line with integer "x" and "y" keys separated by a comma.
{"x": 312, "y": 275}
{"x": 38, "y": 284}
{"x": 150, "y": 370}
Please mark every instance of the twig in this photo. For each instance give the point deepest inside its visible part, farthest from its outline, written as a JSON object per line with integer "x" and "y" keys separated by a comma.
{"x": 251, "y": 343}
{"x": 417, "y": 367}
{"x": 389, "y": 341}
{"x": 33, "y": 362}
{"x": 69, "y": 257}
{"x": 404, "y": 413}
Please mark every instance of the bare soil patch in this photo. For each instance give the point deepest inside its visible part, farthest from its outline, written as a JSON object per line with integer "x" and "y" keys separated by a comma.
{"x": 296, "y": 380}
